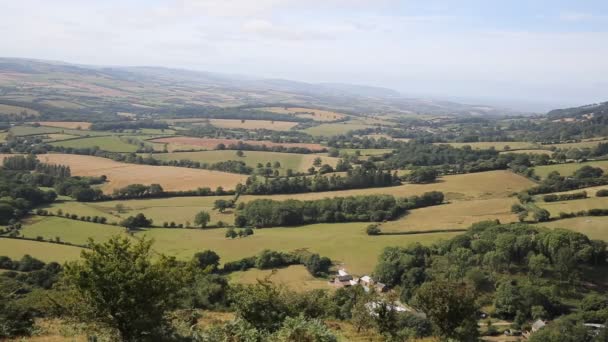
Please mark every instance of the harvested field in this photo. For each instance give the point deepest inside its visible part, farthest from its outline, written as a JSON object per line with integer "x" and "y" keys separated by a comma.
{"x": 307, "y": 113}
{"x": 66, "y": 124}
{"x": 122, "y": 174}
{"x": 253, "y": 124}
{"x": 47, "y": 252}
{"x": 575, "y": 205}
{"x": 594, "y": 227}
{"x": 211, "y": 143}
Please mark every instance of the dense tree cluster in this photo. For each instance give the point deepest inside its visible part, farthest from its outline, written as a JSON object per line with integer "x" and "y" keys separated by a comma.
{"x": 128, "y": 125}
{"x": 270, "y": 213}
{"x": 565, "y": 197}
{"x": 584, "y": 177}
{"x": 19, "y": 194}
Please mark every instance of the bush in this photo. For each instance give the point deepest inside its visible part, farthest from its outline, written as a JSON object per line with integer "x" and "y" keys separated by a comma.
{"x": 602, "y": 193}
{"x": 373, "y": 229}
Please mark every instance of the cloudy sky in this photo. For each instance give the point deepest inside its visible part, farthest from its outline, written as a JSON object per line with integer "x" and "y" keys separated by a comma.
{"x": 520, "y": 52}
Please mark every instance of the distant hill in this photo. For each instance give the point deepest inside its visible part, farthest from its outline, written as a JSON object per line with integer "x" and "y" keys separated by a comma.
{"x": 579, "y": 113}
{"x": 48, "y": 85}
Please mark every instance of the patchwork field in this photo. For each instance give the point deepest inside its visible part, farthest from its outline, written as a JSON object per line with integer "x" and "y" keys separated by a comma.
{"x": 253, "y": 124}
{"x": 594, "y": 227}
{"x": 66, "y": 124}
{"x": 110, "y": 144}
{"x": 295, "y": 277}
{"x": 498, "y": 145}
{"x": 293, "y": 161}
{"x": 569, "y": 168}
{"x": 454, "y": 215}
{"x": 307, "y": 113}
{"x": 211, "y": 143}
{"x": 15, "y": 249}
{"x": 333, "y": 129}
{"x": 122, "y": 174}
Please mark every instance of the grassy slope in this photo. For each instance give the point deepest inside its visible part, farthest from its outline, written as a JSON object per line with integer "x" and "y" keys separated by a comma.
{"x": 574, "y": 205}
{"x": 569, "y": 168}
{"x": 68, "y": 230}
{"x": 295, "y": 277}
{"x": 594, "y": 227}
{"x": 44, "y": 251}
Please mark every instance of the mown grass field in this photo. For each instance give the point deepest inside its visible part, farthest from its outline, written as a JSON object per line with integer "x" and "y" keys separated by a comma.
{"x": 15, "y": 249}
{"x": 122, "y": 174}
{"x": 295, "y": 277}
{"x": 110, "y": 144}
{"x": 68, "y": 230}
{"x": 498, "y": 145}
{"x": 333, "y": 129}
{"x": 253, "y": 124}
{"x": 293, "y": 161}
{"x": 574, "y": 205}
{"x": 569, "y": 168}
{"x": 593, "y": 227}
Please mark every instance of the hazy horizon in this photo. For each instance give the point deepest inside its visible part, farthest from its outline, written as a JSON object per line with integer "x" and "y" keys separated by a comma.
{"x": 541, "y": 54}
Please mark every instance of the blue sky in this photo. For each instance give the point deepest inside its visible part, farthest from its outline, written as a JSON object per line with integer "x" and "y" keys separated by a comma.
{"x": 533, "y": 54}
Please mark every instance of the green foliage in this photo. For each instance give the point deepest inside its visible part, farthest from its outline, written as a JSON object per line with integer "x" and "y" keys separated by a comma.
{"x": 423, "y": 175}
{"x": 373, "y": 229}
{"x": 118, "y": 286}
{"x": 137, "y": 221}
{"x": 202, "y": 219}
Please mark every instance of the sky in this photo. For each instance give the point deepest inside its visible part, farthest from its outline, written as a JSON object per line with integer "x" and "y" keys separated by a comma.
{"x": 524, "y": 54}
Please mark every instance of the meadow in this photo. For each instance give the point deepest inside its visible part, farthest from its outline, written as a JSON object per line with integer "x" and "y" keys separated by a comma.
{"x": 569, "y": 168}
{"x": 532, "y": 151}
{"x": 8, "y": 110}
{"x": 307, "y": 113}
{"x": 574, "y": 205}
{"x": 212, "y": 143}
{"x": 66, "y": 124}
{"x": 334, "y": 129}
{"x": 497, "y": 145}
{"x": 77, "y": 232}
{"x": 253, "y": 124}
{"x": 593, "y": 226}
{"x": 109, "y": 143}
{"x": 122, "y": 174}
{"x": 293, "y": 161}
{"x": 32, "y": 130}
{"x": 295, "y": 277}
{"x": 15, "y": 249}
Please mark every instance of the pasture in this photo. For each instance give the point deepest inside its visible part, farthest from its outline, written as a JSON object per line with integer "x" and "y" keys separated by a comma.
{"x": 66, "y": 124}
{"x": 333, "y": 129}
{"x": 306, "y": 113}
{"x": 295, "y": 277}
{"x": 533, "y": 151}
{"x": 9, "y": 110}
{"x": 57, "y": 137}
{"x": 253, "y": 124}
{"x": 594, "y": 227}
{"x": 454, "y": 215}
{"x": 497, "y": 145}
{"x": 575, "y": 205}
{"x": 31, "y": 130}
{"x": 47, "y": 252}
{"x": 78, "y": 232}
{"x": 109, "y": 143}
{"x": 568, "y": 169}
{"x": 345, "y": 243}
{"x": 122, "y": 174}
{"x": 212, "y": 143}
{"x": 293, "y": 161}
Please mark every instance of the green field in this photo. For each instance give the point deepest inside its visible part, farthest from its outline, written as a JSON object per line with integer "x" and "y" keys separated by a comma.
{"x": 366, "y": 151}
{"x": 344, "y": 243}
{"x": 15, "y": 249}
{"x": 77, "y": 232}
{"x": 110, "y": 144}
{"x": 569, "y": 168}
{"x": 176, "y": 209}
{"x": 31, "y": 130}
{"x": 293, "y": 161}
{"x": 498, "y": 145}
{"x": 593, "y": 227}
{"x": 333, "y": 129}
{"x": 532, "y": 151}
